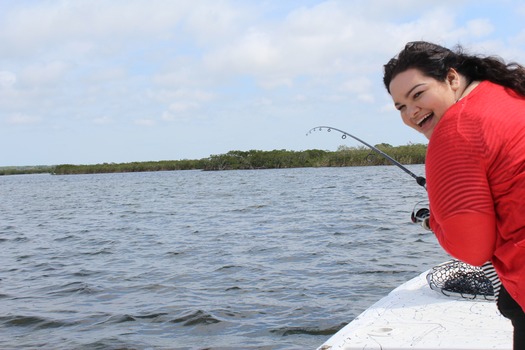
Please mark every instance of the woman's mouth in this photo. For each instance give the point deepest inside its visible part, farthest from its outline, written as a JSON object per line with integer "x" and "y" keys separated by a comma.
{"x": 425, "y": 119}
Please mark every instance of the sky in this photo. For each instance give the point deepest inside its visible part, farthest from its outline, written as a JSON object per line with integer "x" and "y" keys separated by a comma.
{"x": 97, "y": 81}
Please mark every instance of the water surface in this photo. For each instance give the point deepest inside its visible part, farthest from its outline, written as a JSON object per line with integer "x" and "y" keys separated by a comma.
{"x": 265, "y": 259}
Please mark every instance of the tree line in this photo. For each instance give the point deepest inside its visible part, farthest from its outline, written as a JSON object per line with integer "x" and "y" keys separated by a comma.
{"x": 252, "y": 159}
{"x": 19, "y": 170}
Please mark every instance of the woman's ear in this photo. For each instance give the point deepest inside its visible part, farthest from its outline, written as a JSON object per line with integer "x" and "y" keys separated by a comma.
{"x": 453, "y": 78}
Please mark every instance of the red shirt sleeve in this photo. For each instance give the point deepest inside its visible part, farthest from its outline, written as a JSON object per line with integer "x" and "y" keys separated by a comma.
{"x": 462, "y": 208}
{"x": 470, "y": 236}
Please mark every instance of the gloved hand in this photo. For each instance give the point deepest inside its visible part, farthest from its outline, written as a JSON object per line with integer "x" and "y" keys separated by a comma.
{"x": 426, "y": 223}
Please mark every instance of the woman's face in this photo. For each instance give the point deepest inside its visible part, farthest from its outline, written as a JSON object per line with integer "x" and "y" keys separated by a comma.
{"x": 423, "y": 100}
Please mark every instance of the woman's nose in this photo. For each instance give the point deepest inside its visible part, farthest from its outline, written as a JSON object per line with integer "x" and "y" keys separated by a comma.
{"x": 412, "y": 111}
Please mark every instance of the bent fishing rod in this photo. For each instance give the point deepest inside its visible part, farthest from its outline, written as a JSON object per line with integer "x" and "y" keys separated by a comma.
{"x": 418, "y": 215}
{"x": 419, "y": 179}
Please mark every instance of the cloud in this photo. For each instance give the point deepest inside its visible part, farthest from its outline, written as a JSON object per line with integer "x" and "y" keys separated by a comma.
{"x": 330, "y": 39}
{"x": 181, "y": 107}
{"x": 479, "y": 27}
{"x": 40, "y": 74}
{"x": 21, "y": 119}
{"x": 104, "y": 74}
{"x": 212, "y": 22}
{"x": 85, "y": 24}
{"x": 104, "y": 120}
{"x": 169, "y": 95}
{"x": 7, "y": 79}
{"x": 145, "y": 122}
{"x": 357, "y": 85}
{"x": 197, "y": 64}
{"x": 306, "y": 38}
{"x": 367, "y": 98}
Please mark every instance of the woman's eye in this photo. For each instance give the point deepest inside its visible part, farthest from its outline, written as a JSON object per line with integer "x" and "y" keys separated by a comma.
{"x": 417, "y": 94}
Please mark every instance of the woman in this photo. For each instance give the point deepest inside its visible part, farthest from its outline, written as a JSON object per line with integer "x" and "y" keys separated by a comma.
{"x": 472, "y": 110}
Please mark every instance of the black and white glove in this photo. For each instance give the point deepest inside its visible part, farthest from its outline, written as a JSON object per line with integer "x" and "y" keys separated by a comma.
{"x": 426, "y": 224}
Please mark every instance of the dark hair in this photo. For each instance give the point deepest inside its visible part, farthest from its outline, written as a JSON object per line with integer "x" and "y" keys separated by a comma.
{"x": 435, "y": 61}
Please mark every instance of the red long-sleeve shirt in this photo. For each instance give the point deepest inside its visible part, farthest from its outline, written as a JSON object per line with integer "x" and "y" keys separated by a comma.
{"x": 475, "y": 169}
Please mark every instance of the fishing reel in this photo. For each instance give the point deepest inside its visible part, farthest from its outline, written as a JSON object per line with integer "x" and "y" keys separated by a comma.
{"x": 421, "y": 215}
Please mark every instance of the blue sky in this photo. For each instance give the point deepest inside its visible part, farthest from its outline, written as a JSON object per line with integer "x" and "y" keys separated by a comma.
{"x": 93, "y": 81}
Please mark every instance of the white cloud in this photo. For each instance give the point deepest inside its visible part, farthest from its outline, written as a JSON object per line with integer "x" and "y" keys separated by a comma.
{"x": 211, "y": 62}
{"x": 44, "y": 73}
{"x": 299, "y": 98}
{"x": 21, "y": 119}
{"x": 167, "y": 116}
{"x": 263, "y": 102}
{"x": 181, "y": 107}
{"x": 357, "y": 85}
{"x": 145, "y": 122}
{"x": 327, "y": 40}
{"x": 367, "y": 98}
{"x": 315, "y": 40}
{"x": 108, "y": 74}
{"x": 85, "y": 24}
{"x": 480, "y": 27}
{"x": 7, "y": 79}
{"x": 213, "y": 21}
{"x": 251, "y": 53}
{"x": 174, "y": 116}
{"x": 165, "y": 95}
{"x": 105, "y": 120}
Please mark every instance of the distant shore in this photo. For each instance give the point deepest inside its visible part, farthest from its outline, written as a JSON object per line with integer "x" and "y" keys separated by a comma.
{"x": 239, "y": 160}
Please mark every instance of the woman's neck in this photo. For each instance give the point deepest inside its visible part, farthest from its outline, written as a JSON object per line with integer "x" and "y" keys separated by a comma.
{"x": 469, "y": 86}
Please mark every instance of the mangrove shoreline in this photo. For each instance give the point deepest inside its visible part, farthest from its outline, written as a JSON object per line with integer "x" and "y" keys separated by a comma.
{"x": 243, "y": 160}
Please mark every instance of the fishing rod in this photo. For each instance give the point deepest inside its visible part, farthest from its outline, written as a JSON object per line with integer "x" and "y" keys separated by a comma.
{"x": 418, "y": 216}
{"x": 422, "y": 216}
{"x": 421, "y": 181}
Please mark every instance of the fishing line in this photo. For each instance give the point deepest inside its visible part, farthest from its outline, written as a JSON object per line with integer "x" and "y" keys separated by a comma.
{"x": 418, "y": 214}
{"x": 419, "y": 179}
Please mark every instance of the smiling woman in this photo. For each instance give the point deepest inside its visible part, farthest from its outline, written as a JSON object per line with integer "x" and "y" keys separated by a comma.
{"x": 471, "y": 109}
{"x": 422, "y": 100}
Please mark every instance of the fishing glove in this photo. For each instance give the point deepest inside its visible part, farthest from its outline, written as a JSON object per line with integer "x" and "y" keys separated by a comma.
{"x": 426, "y": 223}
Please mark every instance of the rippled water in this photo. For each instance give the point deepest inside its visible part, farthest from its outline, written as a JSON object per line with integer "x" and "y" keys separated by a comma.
{"x": 265, "y": 259}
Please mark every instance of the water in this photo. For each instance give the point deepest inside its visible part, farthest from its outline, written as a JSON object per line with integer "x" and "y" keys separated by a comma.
{"x": 265, "y": 259}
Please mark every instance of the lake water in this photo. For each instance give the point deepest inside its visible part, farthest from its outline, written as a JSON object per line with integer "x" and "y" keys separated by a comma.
{"x": 263, "y": 259}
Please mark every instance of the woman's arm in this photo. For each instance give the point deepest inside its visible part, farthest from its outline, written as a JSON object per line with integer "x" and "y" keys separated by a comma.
{"x": 468, "y": 236}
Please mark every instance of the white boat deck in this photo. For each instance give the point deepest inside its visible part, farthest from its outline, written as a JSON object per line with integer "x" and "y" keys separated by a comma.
{"x": 413, "y": 316}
